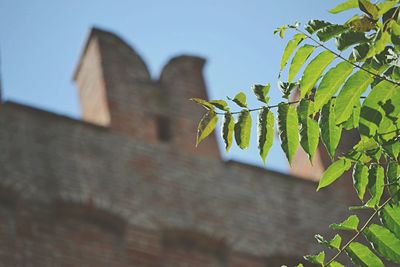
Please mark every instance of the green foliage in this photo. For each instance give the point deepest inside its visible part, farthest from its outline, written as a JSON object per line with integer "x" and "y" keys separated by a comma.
{"x": 359, "y": 92}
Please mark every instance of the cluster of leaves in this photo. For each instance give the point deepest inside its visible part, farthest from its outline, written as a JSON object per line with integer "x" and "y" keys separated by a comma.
{"x": 325, "y": 100}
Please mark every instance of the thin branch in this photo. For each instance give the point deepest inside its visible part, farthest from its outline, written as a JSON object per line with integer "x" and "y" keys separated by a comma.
{"x": 358, "y": 232}
{"x": 270, "y": 107}
{"x": 345, "y": 59}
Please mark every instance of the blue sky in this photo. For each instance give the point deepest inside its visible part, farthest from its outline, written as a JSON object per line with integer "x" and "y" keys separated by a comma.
{"x": 40, "y": 42}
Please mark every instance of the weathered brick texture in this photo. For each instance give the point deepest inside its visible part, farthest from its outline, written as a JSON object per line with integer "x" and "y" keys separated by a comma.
{"x": 109, "y": 191}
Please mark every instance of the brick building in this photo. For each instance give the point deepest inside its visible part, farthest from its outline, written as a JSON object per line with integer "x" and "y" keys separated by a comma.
{"x": 125, "y": 186}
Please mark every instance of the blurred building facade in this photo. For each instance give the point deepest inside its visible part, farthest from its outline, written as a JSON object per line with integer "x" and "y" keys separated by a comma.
{"x": 125, "y": 186}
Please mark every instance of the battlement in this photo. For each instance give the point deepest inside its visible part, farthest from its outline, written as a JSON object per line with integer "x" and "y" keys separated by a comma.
{"x": 116, "y": 91}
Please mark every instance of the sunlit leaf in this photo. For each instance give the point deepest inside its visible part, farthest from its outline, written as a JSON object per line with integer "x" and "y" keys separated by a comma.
{"x": 393, "y": 178}
{"x": 334, "y": 171}
{"x": 372, "y": 112}
{"x": 261, "y": 92}
{"x": 313, "y": 71}
{"x": 354, "y": 119}
{"x": 243, "y": 129}
{"x": 384, "y": 241}
{"x": 350, "y": 94}
{"x": 330, "y": 132}
{"x": 240, "y": 100}
{"x": 288, "y": 129}
{"x": 350, "y": 224}
{"x": 360, "y": 179}
{"x": 298, "y": 60}
{"x": 204, "y": 103}
{"x": 350, "y": 38}
{"x": 369, "y": 8}
{"x": 349, "y": 4}
{"x": 291, "y": 45}
{"x": 334, "y": 243}
{"x": 206, "y": 126}
{"x": 265, "y": 133}
{"x": 316, "y": 259}
{"x": 362, "y": 256}
{"x": 376, "y": 181}
{"x": 390, "y": 217}
{"x": 309, "y": 131}
{"x": 330, "y": 84}
{"x": 330, "y": 31}
{"x": 228, "y": 125}
{"x": 316, "y": 25}
{"x": 220, "y": 104}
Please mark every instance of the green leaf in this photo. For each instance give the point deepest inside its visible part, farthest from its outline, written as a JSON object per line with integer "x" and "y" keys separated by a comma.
{"x": 392, "y": 148}
{"x": 379, "y": 45}
{"x": 265, "y": 133}
{"x": 369, "y": 8}
{"x": 220, "y": 104}
{"x": 309, "y": 131}
{"x": 372, "y": 113}
{"x": 362, "y": 24}
{"x": 350, "y": 224}
{"x": 349, "y": 4}
{"x": 204, "y": 103}
{"x": 291, "y": 45}
{"x": 313, "y": 71}
{"x": 360, "y": 179}
{"x": 335, "y": 264}
{"x": 281, "y": 30}
{"x": 288, "y": 129}
{"x": 390, "y": 217}
{"x": 354, "y": 119}
{"x": 350, "y": 38}
{"x": 393, "y": 175}
{"x": 243, "y": 129}
{"x": 350, "y": 94}
{"x": 316, "y": 259}
{"x": 206, "y": 126}
{"x": 384, "y": 241}
{"x": 363, "y": 256}
{"x": 330, "y": 31}
{"x": 330, "y": 132}
{"x": 334, "y": 171}
{"x": 316, "y": 25}
{"x": 330, "y": 84}
{"x": 334, "y": 243}
{"x": 385, "y": 6}
{"x": 261, "y": 92}
{"x": 228, "y": 125}
{"x": 376, "y": 182}
{"x": 240, "y": 100}
{"x": 298, "y": 60}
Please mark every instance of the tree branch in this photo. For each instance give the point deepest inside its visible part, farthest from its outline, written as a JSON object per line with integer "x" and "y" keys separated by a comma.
{"x": 345, "y": 59}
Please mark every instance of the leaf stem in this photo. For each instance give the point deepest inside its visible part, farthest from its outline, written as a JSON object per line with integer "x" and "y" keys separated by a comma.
{"x": 358, "y": 232}
{"x": 345, "y": 59}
